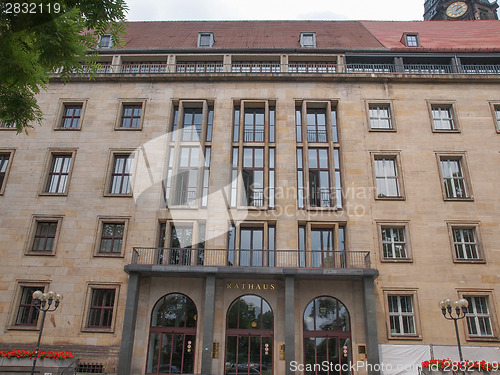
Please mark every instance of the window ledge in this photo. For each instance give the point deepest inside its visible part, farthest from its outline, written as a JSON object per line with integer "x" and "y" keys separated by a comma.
{"x": 118, "y": 195}
{"x": 109, "y": 255}
{"x": 383, "y": 130}
{"x": 396, "y": 260}
{"x": 446, "y": 131}
{"x": 467, "y": 199}
{"x": 46, "y": 194}
{"x": 23, "y": 328}
{"x": 469, "y": 261}
{"x": 127, "y": 129}
{"x": 483, "y": 339}
{"x": 180, "y": 207}
{"x": 40, "y": 253}
{"x": 67, "y": 129}
{"x": 377, "y": 198}
{"x": 402, "y": 337}
{"x": 98, "y": 330}
{"x": 325, "y": 209}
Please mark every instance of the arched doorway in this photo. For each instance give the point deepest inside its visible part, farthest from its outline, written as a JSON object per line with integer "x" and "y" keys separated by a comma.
{"x": 327, "y": 337}
{"x": 249, "y": 337}
{"x": 172, "y": 336}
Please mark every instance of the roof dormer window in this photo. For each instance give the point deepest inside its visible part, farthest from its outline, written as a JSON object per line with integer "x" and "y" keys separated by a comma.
{"x": 410, "y": 40}
{"x": 205, "y": 39}
{"x": 308, "y": 39}
{"x": 106, "y": 41}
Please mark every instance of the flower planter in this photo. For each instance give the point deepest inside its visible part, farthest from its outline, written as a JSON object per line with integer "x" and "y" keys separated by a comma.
{"x": 426, "y": 371}
{"x": 22, "y": 366}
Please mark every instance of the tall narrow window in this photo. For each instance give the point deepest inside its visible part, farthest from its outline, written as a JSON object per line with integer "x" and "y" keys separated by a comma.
{"x": 257, "y": 164}
{"x": 300, "y": 180}
{"x": 316, "y": 125}
{"x": 187, "y": 182}
{"x": 386, "y": 175}
{"x": 251, "y": 247}
{"x": 496, "y": 111}
{"x": 478, "y": 317}
{"x": 298, "y": 122}
{"x": 4, "y": 164}
{"x": 187, "y": 177}
{"x": 27, "y": 314}
{"x": 401, "y": 315}
{"x": 101, "y": 308}
{"x": 59, "y": 173}
{"x": 454, "y": 182}
{"x": 338, "y": 178}
{"x": 191, "y": 126}
{"x": 254, "y": 125}
{"x": 181, "y": 242}
{"x": 256, "y": 245}
{"x": 319, "y": 178}
{"x": 318, "y": 156}
{"x": 253, "y": 176}
{"x": 321, "y": 247}
{"x": 121, "y": 175}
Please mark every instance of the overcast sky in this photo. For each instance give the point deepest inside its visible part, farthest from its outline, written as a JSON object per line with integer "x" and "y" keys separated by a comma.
{"x": 165, "y": 10}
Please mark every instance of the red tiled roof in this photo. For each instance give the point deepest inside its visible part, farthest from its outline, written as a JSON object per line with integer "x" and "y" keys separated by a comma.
{"x": 248, "y": 34}
{"x": 330, "y": 35}
{"x": 438, "y": 35}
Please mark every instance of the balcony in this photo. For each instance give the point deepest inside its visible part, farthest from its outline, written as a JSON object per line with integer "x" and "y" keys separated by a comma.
{"x": 292, "y": 259}
{"x": 302, "y": 264}
{"x": 293, "y": 68}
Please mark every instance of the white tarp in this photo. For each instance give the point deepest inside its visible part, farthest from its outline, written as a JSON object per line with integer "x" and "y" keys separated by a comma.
{"x": 406, "y": 359}
{"x": 471, "y": 353}
{"x": 402, "y": 359}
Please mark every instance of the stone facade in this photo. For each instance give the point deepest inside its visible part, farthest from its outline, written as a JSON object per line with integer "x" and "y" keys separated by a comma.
{"x": 76, "y": 267}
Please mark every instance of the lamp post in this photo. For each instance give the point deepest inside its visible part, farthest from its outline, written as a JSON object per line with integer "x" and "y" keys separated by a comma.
{"x": 460, "y": 311}
{"x": 43, "y": 302}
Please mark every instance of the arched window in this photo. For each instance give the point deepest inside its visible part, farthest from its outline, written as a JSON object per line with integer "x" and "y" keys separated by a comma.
{"x": 172, "y": 336}
{"x": 327, "y": 336}
{"x": 249, "y": 337}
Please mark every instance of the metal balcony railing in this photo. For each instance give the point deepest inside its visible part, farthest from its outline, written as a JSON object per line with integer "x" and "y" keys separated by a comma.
{"x": 199, "y": 67}
{"x": 255, "y": 67}
{"x": 143, "y": 68}
{"x": 316, "y": 136}
{"x": 186, "y": 197}
{"x": 321, "y": 197}
{"x": 190, "y": 257}
{"x": 312, "y": 67}
{"x": 370, "y": 68}
{"x": 427, "y": 69}
{"x": 291, "y": 68}
{"x": 253, "y": 135}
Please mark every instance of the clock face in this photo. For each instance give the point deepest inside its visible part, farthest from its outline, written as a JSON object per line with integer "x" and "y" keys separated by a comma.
{"x": 456, "y": 9}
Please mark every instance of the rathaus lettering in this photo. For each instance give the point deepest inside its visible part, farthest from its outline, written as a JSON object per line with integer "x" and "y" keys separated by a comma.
{"x": 251, "y": 286}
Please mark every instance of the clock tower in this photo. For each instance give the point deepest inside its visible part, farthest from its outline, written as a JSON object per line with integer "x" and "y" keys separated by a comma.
{"x": 460, "y": 10}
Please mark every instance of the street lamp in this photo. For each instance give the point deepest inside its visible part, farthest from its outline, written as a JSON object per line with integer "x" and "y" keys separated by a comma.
{"x": 460, "y": 311}
{"x": 42, "y": 302}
